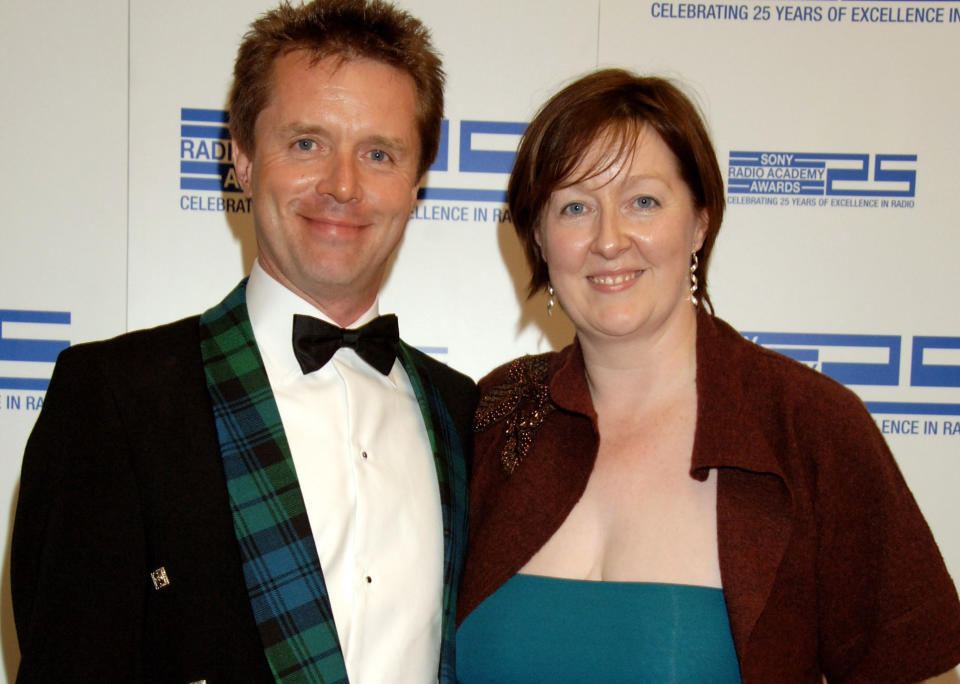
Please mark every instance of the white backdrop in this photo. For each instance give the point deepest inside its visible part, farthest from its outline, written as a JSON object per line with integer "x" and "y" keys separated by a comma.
{"x": 108, "y": 225}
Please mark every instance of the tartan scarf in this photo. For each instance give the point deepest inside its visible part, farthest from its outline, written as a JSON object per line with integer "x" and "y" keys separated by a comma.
{"x": 280, "y": 562}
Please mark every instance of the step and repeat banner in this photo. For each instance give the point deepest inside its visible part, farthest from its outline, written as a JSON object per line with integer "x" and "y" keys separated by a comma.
{"x": 834, "y": 122}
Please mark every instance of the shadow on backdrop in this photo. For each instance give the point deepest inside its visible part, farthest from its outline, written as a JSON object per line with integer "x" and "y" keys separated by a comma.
{"x": 8, "y": 632}
{"x": 557, "y": 329}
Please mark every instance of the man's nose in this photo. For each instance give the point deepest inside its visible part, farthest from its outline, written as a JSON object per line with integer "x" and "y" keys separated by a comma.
{"x": 340, "y": 179}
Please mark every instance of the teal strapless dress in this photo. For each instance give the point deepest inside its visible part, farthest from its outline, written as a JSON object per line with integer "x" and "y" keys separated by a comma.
{"x": 545, "y": 629}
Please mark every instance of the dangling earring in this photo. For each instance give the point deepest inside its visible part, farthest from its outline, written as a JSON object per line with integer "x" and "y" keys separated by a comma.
{"x": 550, "y": 302}
{"x": 693, "y": 279}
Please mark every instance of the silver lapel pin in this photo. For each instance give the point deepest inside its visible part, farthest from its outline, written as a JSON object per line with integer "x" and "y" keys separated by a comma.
{"x": 160, "y": 579}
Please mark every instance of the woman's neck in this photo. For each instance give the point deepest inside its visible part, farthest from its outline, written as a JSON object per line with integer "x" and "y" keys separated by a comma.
{"x": 643, "y": 369}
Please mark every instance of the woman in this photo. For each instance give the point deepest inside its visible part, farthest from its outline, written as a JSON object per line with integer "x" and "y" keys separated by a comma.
{"x": 663, "y": 500}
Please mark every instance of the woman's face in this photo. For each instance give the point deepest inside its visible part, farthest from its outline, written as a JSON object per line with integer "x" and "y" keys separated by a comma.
{"x": 618, "y": 245}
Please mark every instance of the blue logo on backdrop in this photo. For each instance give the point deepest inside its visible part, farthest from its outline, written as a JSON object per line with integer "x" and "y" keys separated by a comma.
{"x": 206, "y": 163}
{"x": 439, "y": 353}
{"x": 484, "y": 148}
{"x": 928, "y": 368}
{"x": 472, "y": 166}
{"x": 823, "y": 179}
{"x": 875, "y": 360}
{"x": 824, "y": 353}
{"x": 19, "y": 352}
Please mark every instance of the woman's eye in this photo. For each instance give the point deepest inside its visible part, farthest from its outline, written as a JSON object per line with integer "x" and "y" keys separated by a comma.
{"x": 573, "y": 209}
{"x": 645, "y": 202}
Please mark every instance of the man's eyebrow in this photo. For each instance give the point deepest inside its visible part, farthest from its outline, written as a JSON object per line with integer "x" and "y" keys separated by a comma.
{"x": 388, "y": 142}
{"x": 301, "y": 128}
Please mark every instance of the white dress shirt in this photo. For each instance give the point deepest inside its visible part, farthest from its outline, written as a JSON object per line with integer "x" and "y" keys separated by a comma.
{"x": 369, "y": 483}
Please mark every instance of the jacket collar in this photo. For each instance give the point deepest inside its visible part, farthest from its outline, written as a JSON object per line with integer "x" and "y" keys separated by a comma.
{"x": 568, "y": 384}
{"x": 730, "y": 433}
{"x": 739, "y": 434}
{"x": 280, "y": 565}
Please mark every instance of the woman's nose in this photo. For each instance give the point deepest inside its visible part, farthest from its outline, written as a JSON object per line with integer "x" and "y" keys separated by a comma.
{"x": 611, "y": 239}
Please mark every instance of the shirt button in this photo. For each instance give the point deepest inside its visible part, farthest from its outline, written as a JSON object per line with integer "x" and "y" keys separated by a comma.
{"x": 363, "y": 454}
{"x": 369, "y": 579}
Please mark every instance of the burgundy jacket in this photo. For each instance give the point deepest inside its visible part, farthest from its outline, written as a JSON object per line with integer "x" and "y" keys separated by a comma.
{"x": 827, "y": 564}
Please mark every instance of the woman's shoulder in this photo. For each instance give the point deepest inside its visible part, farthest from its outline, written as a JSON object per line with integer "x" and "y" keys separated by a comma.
{"x": 785, "y": 417}
{"x": 515, "y": 400}
{"x": 537, "y": 382}
{"x": 524, "y": 370}
{"x": 518, "y": 390}
{"x": 772, "y": 378}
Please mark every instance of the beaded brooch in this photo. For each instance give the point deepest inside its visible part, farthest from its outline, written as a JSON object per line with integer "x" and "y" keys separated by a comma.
{"x": 523, "y": 401}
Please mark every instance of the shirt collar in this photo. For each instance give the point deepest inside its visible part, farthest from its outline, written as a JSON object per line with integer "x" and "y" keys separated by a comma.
{"x": 271, "y": 307}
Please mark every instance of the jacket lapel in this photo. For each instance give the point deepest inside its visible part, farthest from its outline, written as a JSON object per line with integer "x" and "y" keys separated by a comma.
{"x": 754, "y": 502}
{"x": 452, "y": 478}
{"x": 280, "y": 562}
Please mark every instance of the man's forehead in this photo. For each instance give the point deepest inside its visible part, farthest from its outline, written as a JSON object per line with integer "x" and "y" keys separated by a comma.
{"x": 329, "y": 63}
{"x": 325, "y": 72}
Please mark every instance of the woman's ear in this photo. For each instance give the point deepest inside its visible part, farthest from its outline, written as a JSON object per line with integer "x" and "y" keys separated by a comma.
{"x": 700, "y": 233}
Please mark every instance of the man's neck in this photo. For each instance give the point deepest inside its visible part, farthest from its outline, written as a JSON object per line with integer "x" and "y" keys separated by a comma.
{"x": 344, "y": 311}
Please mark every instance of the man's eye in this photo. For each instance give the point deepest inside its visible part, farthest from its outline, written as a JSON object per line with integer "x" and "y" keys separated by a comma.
{"x": 573, "y": 209}
{"x": 379, "y": 155}
{"x": 305, "y": 145}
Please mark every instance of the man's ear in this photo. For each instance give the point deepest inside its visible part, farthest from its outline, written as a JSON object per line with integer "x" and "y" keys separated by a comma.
{"x": 416, "y": 190}
{"x": 243, "y": 166}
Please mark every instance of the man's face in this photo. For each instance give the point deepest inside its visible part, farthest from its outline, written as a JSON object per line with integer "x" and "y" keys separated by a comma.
{"x": 332, "y": 177}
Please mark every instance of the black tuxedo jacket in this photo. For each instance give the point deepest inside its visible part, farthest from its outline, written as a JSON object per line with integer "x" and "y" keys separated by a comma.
{"x": 122, "y": 474}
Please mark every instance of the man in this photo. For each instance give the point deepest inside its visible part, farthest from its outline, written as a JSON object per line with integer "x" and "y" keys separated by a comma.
{"x": 209, "y": 501}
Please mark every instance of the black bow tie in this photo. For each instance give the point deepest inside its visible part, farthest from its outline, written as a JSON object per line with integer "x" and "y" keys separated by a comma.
{"x": 316, "y": 341}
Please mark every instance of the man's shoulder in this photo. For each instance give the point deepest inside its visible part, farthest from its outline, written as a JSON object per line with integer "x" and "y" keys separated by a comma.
{"x": 156, "y": 354}
{"x": 175, "y": 337}
{"x": 457, "y": 391}
{"x": 439, "y": 372}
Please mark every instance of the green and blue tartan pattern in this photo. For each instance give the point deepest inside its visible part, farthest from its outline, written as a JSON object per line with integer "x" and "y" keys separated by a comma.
{"x": 452, "y": 477}
{"x": 280, "y": 562}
